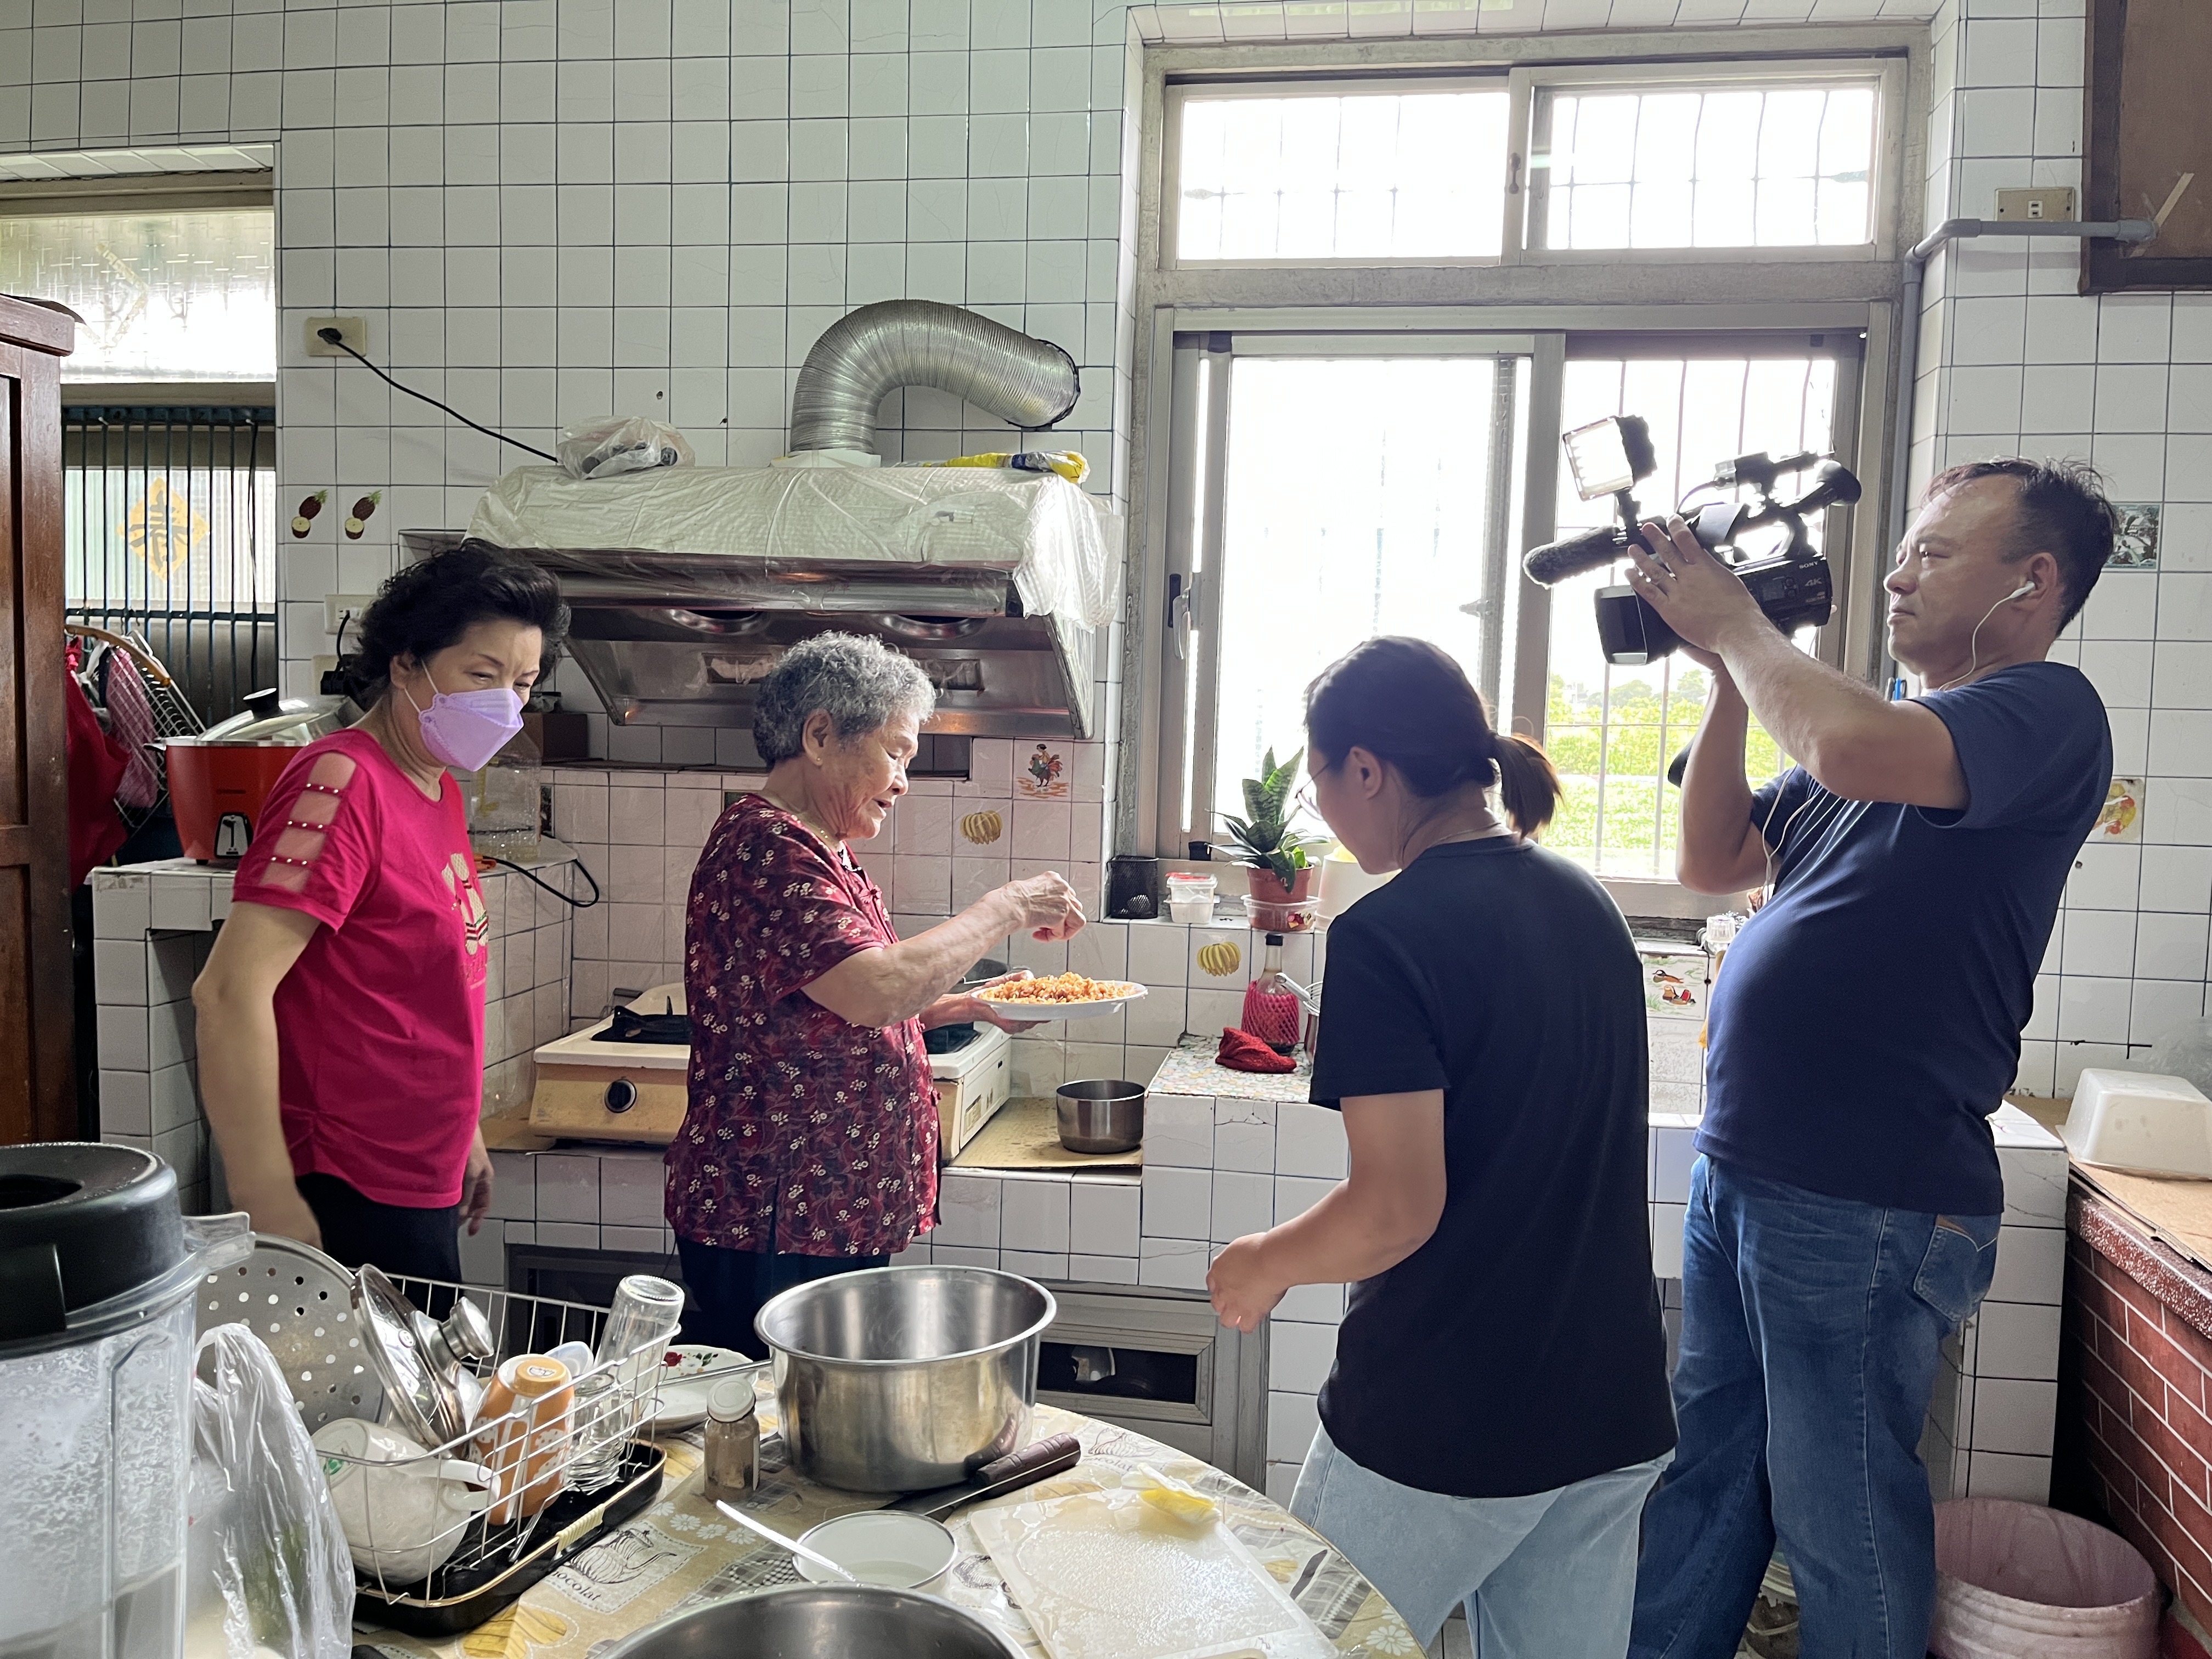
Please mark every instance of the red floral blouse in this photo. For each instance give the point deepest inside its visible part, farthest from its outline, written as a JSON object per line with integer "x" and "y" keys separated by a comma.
{"x": 804, "y": 1134}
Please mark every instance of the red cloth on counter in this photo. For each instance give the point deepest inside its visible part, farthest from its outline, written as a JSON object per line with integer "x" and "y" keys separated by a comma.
{"x": 379, "y": 1024}
{"x": 96, "y": 764}
{"x": 1242, "y": 1052}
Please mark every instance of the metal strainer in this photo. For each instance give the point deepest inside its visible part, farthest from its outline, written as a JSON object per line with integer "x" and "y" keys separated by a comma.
{"x": 300, "y": 1303}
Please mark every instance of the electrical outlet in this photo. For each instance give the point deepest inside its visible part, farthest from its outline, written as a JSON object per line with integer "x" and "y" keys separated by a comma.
{"x": 336, "y": 607}
{"x": 2051, "y": 202}
{"x": 354, "y": 331}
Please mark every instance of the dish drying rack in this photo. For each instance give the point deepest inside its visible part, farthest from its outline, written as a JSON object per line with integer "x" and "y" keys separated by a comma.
{"x": 280, "y": 1299}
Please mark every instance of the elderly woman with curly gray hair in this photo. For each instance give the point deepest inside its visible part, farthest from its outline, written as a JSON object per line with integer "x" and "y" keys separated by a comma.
{"x": 809, "y": 1144}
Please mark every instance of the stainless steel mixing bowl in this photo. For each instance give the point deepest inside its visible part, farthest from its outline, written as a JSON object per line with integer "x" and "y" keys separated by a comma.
{"x": 897, "y": 1379}
{"x": 1105, "y": 1114}
{"x": 820, "y": 1622}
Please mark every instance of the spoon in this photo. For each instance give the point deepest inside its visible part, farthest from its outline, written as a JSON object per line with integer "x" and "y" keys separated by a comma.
{"x": 791, "y": 1544}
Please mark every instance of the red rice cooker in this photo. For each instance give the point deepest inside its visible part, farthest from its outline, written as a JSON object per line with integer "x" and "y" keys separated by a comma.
{"x": 220, "y": 779}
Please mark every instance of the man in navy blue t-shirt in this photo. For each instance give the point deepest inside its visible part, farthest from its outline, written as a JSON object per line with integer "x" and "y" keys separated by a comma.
{"x": 1843, "y": 1217}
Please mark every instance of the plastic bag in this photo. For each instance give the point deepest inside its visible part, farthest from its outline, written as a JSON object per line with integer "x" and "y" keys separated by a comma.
{"x": 2017, "y": 1581}
{"x": 601, "y": 448}
{"x": 267, "y": 1570}
{"x": 2184, "y": 1052}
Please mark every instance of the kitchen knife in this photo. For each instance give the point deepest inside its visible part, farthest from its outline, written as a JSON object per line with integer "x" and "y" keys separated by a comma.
{"x": 1009, "y": 1474}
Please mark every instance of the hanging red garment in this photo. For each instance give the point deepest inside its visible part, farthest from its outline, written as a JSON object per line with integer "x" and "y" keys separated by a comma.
{"x": 131, "y": 719}
{"x": 96, "y": 765}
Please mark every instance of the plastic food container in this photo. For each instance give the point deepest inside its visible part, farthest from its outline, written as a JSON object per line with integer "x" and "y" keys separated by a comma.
{"x": 2140, "y": 1121}
{"x": 1190, "y": 896}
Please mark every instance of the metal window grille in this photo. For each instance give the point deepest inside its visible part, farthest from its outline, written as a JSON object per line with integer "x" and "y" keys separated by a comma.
{"x": 171, "y": 534}
{"x": 1777, "y": 167}
{"x": 1612, "y": 731}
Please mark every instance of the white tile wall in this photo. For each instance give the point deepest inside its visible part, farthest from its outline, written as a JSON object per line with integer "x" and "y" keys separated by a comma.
{"x": 2126, "y": 381}
{"x": 152, "y": 928}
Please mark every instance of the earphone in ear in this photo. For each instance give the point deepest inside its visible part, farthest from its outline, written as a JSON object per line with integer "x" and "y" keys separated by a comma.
{"x": 2024, "y": 589}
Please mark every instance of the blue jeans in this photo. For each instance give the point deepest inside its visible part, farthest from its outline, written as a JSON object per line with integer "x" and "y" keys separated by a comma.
{"x": 1546, "y": 1576}
{"x": 1812, "y": 1328}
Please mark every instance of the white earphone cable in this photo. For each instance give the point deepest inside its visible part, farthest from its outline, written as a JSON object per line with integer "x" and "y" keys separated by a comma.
{"x": 1974, "y": 641}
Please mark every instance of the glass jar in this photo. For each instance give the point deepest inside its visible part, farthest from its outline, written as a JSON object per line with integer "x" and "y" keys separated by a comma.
{"x": 602, "y": 1432}
{"x": 733, "y": 1462}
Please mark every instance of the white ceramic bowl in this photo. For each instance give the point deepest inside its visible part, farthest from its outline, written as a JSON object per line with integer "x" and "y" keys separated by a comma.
{"x": 896, "y": 1548}
{"x": 403, "y": 1511}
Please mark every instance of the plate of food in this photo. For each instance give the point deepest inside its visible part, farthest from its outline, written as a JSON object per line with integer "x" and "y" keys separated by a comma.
{"x": 1059, "y": 996}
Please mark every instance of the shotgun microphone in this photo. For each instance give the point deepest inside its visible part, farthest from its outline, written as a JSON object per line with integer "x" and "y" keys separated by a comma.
{"x": 1571, "y": 556}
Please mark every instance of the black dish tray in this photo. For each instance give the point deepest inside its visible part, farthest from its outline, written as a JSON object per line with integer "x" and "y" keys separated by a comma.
{"x": 456, "y": 1599}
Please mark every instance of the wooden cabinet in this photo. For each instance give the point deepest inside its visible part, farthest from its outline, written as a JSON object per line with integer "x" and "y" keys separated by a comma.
{"x": 38, "y": 1097}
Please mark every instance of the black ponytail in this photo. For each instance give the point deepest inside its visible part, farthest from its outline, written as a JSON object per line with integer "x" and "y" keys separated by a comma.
{"x": 1406, "y": 702}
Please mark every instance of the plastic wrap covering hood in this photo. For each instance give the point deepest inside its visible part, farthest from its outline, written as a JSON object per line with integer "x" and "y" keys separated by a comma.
{"x": 797, "y": 528}
{"x": 865, "y": 356}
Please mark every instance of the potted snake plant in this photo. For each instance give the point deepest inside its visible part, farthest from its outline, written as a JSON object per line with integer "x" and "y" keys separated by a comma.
{"x": 1262, "y": 840}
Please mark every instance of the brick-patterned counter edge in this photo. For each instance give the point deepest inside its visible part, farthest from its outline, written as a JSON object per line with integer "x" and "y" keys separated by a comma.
{"x": 2135, "y": 1421}
{"x": 2182, "y": 1288}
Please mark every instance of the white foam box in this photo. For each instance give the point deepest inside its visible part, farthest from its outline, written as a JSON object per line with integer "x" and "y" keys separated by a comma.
{"x": 2140, "y": 1121}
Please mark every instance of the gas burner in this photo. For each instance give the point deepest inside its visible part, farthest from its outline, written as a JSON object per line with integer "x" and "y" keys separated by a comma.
{"x": 628, "y": 1025}
{"x": 948, "y": 1039}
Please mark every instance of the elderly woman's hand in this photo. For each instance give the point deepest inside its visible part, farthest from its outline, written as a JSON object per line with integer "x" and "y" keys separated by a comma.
{"x": 1050, "y": 909}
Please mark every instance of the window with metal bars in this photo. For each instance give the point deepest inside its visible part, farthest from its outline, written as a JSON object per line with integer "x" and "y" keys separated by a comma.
{"x": 170, "y": 536}
{"x": 1612, "y": 731}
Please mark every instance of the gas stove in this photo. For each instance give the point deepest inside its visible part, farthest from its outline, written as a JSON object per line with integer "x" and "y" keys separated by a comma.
{"x": 624, "y": 1078}
{"x": 973, "y": 1079}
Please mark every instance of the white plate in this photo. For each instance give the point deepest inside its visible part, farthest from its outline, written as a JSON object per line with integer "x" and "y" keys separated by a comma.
{"x": 684, "y": 1403}
{"x": 1053, "y": 1011}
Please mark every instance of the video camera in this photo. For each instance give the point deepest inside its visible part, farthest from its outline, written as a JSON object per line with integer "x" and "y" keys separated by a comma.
{"x": 1611, "y": 457}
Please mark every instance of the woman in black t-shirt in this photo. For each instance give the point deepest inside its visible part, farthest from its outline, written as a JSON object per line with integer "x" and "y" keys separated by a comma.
{"x": 1498, "y": 1410}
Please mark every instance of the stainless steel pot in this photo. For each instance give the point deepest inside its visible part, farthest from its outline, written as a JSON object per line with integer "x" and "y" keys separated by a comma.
{"x": 1102, "y": 1115}
{"x": 821, "y": 1621}
{"x": 897, "y": 1379}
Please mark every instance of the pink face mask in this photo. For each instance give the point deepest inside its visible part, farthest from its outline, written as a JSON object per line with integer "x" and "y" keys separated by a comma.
{"x": 465, "y": 729}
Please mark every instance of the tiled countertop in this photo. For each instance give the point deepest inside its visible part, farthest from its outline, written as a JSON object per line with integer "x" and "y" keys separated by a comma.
{"x": 1221, "y": 1160}
{"x": 1189, "y": 1069}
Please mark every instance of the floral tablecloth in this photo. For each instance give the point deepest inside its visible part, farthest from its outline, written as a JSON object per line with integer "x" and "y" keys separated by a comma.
{"x": 681, "y": 1552}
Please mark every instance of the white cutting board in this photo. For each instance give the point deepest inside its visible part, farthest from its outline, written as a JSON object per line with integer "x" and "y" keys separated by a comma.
{"x": 1105, "y": 1574}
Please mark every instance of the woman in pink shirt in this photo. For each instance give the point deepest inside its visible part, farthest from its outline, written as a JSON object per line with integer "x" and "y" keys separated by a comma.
{"x": 341, "y": 1013}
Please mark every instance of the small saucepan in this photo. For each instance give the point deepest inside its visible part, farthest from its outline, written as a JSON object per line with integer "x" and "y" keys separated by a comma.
{"x": 1103, "y": 1114}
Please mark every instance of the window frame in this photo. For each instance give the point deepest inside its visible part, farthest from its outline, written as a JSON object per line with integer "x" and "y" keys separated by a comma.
{"x": 1190, "y": 703}
{"x": 152, "y": 192}
{"x": 1531, "y": 82}
{"x": 1178, "y": 94}
{"x": 1195, "y": 532}
{"x": 1616, "y": 292}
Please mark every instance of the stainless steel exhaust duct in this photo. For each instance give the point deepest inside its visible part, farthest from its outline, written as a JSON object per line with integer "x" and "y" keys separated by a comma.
{"x": 865, "y": 355}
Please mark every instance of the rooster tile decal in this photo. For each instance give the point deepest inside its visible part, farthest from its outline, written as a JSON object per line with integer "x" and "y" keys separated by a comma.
{"x": 1044, "y": 778}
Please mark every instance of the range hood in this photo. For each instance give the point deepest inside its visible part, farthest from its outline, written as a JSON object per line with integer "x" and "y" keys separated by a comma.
{"x": 687, "y": 583}
{"x": 680, "y": 639}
